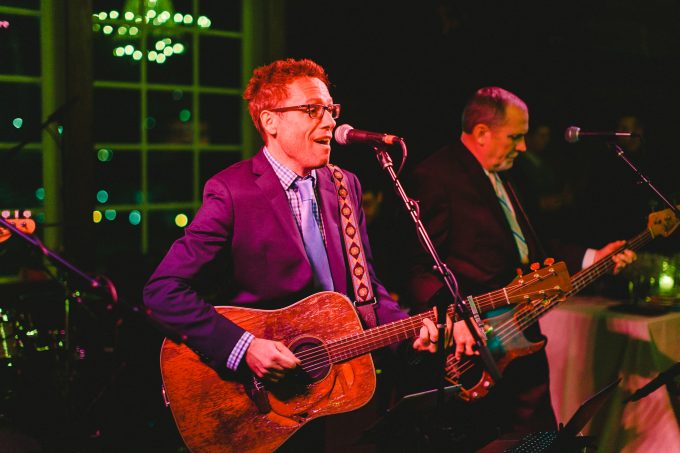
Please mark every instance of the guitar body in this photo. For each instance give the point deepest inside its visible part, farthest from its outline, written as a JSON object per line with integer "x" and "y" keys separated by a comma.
{"x": 506, "y": 342}
{"x": 219, "y": 414}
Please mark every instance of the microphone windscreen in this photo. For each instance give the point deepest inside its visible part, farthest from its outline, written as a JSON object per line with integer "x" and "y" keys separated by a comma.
{"x": 571, "y": 134}
{"x": 341, "y": 133}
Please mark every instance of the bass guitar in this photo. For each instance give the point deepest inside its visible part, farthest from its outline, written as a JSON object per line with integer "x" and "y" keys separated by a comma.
{"x": 505, "y": 332}
{"x": 216, "y": 412}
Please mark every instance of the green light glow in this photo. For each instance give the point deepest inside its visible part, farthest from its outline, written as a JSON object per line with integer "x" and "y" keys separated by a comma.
{"x": 178, "y": 47}
{"x": 104, "y": 155}
{"x": 134, "y": 31}
{"x": 666, "y": 282}
{"x": 103, "y": 15}
{"x": 168, "y": 51}
{"x": 181, "y": 220}
{"x": 102, "y": 196}
{"x": 107, "y": 29}
{"x": 137, "y": 55}
{"x": 129, "y": 15}
{"x": 129, "y": 49}
{"x": 135, "y": 217}
{"x": 184, "y": 115}
{"x": 178, "y": 17}
{"x": 151, "y": 14}
{"x": 160, "y": 45}
{"x": 40, "y": 193}
{"x": 119, "y": 51}
{"x": 122, "y": 30}
{"x": 188, "y": 19}
{"x": 60, "y": 129}
{"x": 113, "y": 14}
{"x": 160, "y": 59}
{"x": 152, "y": 55}
{"x": 96, "y": 27}
{"x": 110, "y": 214}
{"x": 18, "y": 122}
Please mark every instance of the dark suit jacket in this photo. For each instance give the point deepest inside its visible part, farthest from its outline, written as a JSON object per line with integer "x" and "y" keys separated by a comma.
{"x": 246, "y": 228}
{"x": 466, "y": 223}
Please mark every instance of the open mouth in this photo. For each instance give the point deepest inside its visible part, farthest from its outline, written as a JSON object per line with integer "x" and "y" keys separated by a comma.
{"x": 323, "y": 141}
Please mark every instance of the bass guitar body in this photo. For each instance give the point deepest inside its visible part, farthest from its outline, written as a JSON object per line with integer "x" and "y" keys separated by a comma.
{"x": 506, "y": 342}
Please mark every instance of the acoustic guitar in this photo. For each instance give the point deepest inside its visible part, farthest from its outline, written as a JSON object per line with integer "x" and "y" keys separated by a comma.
{"x": 505, "y": 331}
{"x": 219, "y": 412}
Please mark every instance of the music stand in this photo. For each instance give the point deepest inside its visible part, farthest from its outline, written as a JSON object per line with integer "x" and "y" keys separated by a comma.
{"x": 410, "y": 422}
{"x": 566, "y": 439}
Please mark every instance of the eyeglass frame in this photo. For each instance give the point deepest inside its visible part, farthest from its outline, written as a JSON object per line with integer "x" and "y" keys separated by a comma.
{"x": 307, "y": 108}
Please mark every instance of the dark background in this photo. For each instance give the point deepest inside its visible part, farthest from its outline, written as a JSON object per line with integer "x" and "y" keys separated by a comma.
{"x": 405, "y": 70}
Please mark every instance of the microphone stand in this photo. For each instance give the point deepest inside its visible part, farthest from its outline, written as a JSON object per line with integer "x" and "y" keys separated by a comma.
{"x": 447, "y": 277}
{"x": 644, "y": 179}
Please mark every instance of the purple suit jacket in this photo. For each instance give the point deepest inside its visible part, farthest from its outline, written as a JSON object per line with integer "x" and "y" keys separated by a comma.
{"x": 246, "y": 226}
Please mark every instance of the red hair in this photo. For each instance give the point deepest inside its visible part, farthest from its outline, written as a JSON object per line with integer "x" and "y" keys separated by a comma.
{"x": 269, "y": 85}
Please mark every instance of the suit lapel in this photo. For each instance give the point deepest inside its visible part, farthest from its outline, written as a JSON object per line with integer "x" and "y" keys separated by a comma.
{"x": 270, "y": 185}
{"x": 331, "y": 224}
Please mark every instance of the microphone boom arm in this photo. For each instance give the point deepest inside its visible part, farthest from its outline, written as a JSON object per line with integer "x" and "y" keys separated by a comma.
{"x": 644, "y": 179}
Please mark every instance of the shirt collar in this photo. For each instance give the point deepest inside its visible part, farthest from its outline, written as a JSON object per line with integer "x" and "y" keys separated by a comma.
{"x": 287, "y": 177}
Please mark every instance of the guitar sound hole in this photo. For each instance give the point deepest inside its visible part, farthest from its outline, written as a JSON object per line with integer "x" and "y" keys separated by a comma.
{"x": 314, "y": 356}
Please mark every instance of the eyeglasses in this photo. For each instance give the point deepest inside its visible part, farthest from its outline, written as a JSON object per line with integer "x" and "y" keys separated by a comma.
{"x": 313, "y": 110}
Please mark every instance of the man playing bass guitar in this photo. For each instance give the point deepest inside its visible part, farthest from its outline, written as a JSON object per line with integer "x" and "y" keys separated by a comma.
{"x": 481, "y": 232}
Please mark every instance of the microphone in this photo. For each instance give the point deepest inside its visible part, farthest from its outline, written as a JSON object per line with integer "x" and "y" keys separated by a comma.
{"x": 663, "y": 378}
{"x": 573, "y": 134}
{"x": 346, "y": 134}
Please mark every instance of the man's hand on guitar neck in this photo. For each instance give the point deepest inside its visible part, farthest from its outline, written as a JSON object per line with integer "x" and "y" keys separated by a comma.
{"x": 270, "y": 360}
{"x": 429, "y": 335}
{"x": 621, "y": 260}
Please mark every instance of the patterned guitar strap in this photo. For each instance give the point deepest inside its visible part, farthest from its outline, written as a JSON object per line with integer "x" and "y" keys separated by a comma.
{"x": 363, "y": 291}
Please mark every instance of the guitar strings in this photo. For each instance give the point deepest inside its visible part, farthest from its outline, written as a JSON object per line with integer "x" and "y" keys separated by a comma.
{"x": 390, "y": 329}
{"x": 317, "y": 357}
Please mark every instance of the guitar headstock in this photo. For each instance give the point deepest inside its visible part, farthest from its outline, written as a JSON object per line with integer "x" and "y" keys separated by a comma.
{"x": 546, "y": 282}
{"x": 662, "y": 223}
{"x": 22, "y": 222}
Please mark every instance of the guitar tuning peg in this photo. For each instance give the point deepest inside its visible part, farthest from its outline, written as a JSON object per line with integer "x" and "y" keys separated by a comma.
{"x": 549, "y": 261}
{"x": 27, "y": 214}
{"x": 535, "y": 266}
{"x": 5, "y": 214}
{"x": 519, "y": 271}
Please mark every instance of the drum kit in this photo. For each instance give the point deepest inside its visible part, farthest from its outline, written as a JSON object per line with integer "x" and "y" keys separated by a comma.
{"x": 50, "y": 335}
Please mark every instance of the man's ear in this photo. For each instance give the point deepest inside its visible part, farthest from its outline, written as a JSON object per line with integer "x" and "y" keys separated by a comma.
{"x": 270, "y": 122}
{"x": 481, "y": 133}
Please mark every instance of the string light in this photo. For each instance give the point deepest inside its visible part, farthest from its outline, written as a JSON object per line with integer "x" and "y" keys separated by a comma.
{"x": 158, "y": 14}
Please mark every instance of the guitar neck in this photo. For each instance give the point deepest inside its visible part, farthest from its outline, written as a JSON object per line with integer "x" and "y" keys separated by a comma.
{"x": 585, "y": 277}
{"x": 588, "y": 275}
{"x": 378, "y": 337}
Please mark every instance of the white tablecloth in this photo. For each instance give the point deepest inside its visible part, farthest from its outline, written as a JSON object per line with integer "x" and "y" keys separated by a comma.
{"x": 589, "y": 346}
